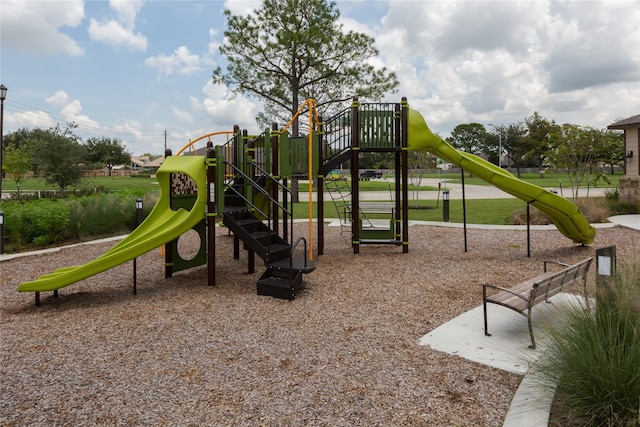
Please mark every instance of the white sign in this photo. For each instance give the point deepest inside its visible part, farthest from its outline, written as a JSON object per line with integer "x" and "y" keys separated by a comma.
{"x": 604, "y": 265}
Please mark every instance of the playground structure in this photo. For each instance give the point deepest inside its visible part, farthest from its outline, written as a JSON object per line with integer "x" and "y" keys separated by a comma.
{"x": 245, "y": 182}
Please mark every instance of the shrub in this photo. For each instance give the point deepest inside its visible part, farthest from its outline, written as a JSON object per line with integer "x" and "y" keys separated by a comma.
{"x": 40, "y": 221}
{"x": 618, "y": 207}
{"x": 537, "y": 217}
{"x": 45, "y": 221}
{"x": 595, "y": 357}
{"x": 594, "y": 209}
{"x": 100, "y": 214}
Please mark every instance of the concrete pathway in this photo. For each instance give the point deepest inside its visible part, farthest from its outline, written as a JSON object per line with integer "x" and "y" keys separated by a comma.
{"x": 507, "y": 349}
{"x": 455, "y": 192}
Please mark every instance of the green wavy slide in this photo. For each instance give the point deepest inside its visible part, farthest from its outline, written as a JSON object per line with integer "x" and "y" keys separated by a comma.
{"x": 564, "y": 214}
{"x": 161, "y": 226}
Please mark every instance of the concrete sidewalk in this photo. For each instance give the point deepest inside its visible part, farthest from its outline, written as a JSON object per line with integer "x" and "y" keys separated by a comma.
{"x": 455, "y": 192}
{"x": 507, "y": 349}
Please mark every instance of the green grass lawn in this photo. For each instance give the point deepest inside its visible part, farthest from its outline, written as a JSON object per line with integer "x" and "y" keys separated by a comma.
{"x": 494, "y": 211}
{"x": 113, "y": 182}
{"x": 550, "y": 180}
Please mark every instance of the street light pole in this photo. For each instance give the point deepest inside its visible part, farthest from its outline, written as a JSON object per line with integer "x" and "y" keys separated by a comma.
{"x": 3, "y": 95}
{"x": 499, "y": 144}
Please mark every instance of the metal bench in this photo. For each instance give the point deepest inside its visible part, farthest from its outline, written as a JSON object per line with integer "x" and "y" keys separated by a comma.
{"x": 524, "y": 296}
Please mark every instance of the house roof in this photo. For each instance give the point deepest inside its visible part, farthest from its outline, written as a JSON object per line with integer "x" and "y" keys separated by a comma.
{"x": 631, "y": 122}
{"x": 155, "y": 163}
{"x": 145, "y": 162}
{"x": 202, "y": 151}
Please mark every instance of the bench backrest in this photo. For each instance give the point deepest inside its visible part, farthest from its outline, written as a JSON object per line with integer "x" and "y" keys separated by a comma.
{"x": 548, "y": 287}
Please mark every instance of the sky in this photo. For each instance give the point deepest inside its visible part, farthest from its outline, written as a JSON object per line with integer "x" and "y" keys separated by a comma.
{"x": 140, "y": 71}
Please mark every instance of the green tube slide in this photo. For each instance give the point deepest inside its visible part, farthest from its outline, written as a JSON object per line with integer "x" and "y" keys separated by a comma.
{"x": 161, "y": 226}
{"x": 564, "y": 214}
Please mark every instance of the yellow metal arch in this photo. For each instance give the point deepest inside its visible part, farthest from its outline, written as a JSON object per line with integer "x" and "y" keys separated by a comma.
{"x": 191, "y": 144}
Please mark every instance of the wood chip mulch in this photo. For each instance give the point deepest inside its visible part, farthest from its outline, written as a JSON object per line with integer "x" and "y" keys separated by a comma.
{"x": 344, "y": 353}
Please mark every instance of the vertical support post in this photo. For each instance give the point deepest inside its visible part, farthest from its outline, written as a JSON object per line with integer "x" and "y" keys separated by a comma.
{"x": 445, "y": 206}
{"x": 405, "y": 175}
{"x": 464, "y": 211}
{"x": 275, "y": 172}
{"x": 168, "y": 249}
{"x": 251, "y": 261}
{"x": 1, "y": 230}
{"x": 397, "y": 173}
{"x": 355, "y": 175}
{"x": 605, "y": 269}
{"x": 528, "y": 230}
{"x": 212, "y": 213}
{"x": 135, "y": 260}
{"x": 236, "y": 247}
{"x": 320, "y": 189}
{"x": 3, "y": 96}
{"x": 248, "y": 158}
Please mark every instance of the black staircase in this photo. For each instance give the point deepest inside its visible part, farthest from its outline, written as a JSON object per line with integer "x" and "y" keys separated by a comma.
{"x": 251, "y": 225}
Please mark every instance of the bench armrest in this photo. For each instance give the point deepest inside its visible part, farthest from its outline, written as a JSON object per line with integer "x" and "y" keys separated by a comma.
{"x": 555, "y": 262}
{"x": 500, "y": 288}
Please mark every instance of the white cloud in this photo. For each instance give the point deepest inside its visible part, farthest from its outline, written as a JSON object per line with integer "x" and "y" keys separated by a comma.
{"x": 119, "y": 32}
{"x": 227, "y": 110}
{"x": 181, "y": 62}
{"x": 213, "y": 44}
{"x": 242, "y": 7}
{"x": 37, "y": 26}
{"x": 502, "y": 61}
{"x": 183, "y": 116}
{"x": 70, "y": 110}
{"x": 29, "y": 119}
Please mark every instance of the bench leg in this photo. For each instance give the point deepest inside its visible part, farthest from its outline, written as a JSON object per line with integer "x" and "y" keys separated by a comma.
{"x": 484, "y": 303}
{"x": 533, "y": 341}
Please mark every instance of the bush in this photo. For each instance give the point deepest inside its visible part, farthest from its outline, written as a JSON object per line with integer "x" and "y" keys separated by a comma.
{"x": 618, "y": 207}
{"x": 40, "y": 222}
{"x": 47, "y": 221}
{"x": 595, "y": 357}
{"x": 537, "y": 217}
{"x": 100, "y": 214}
{"x": 594, "y": 209}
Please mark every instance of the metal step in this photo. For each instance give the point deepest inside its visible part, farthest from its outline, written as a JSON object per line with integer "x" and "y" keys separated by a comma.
{"x": 276, "y": 287}
{"x": 298, "y": 264}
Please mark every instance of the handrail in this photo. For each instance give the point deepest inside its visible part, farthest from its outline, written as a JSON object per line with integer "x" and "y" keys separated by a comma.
{"x": 266, "y": 194}
{"x": 293, "y": 247}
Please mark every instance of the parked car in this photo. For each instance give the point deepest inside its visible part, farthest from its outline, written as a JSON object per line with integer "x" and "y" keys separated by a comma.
{"x": 367, "y": 175}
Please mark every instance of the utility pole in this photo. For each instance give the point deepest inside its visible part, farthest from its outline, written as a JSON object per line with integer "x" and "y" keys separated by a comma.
{"x": 165, "y": 140}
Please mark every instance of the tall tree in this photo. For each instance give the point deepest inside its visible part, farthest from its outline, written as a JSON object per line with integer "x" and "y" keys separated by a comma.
{"x": 611, "y": 151}
{"x": 59, "y": 156}
{"x": 537, "y": 139}
{"x": 17, "y": 163}
{"x": 575, "y": 148}
{"x": 291, "y": 50}
{"x": 469, "y": 137}
{"x": 516, "y": 146}
{"x": 108, "y": 152}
